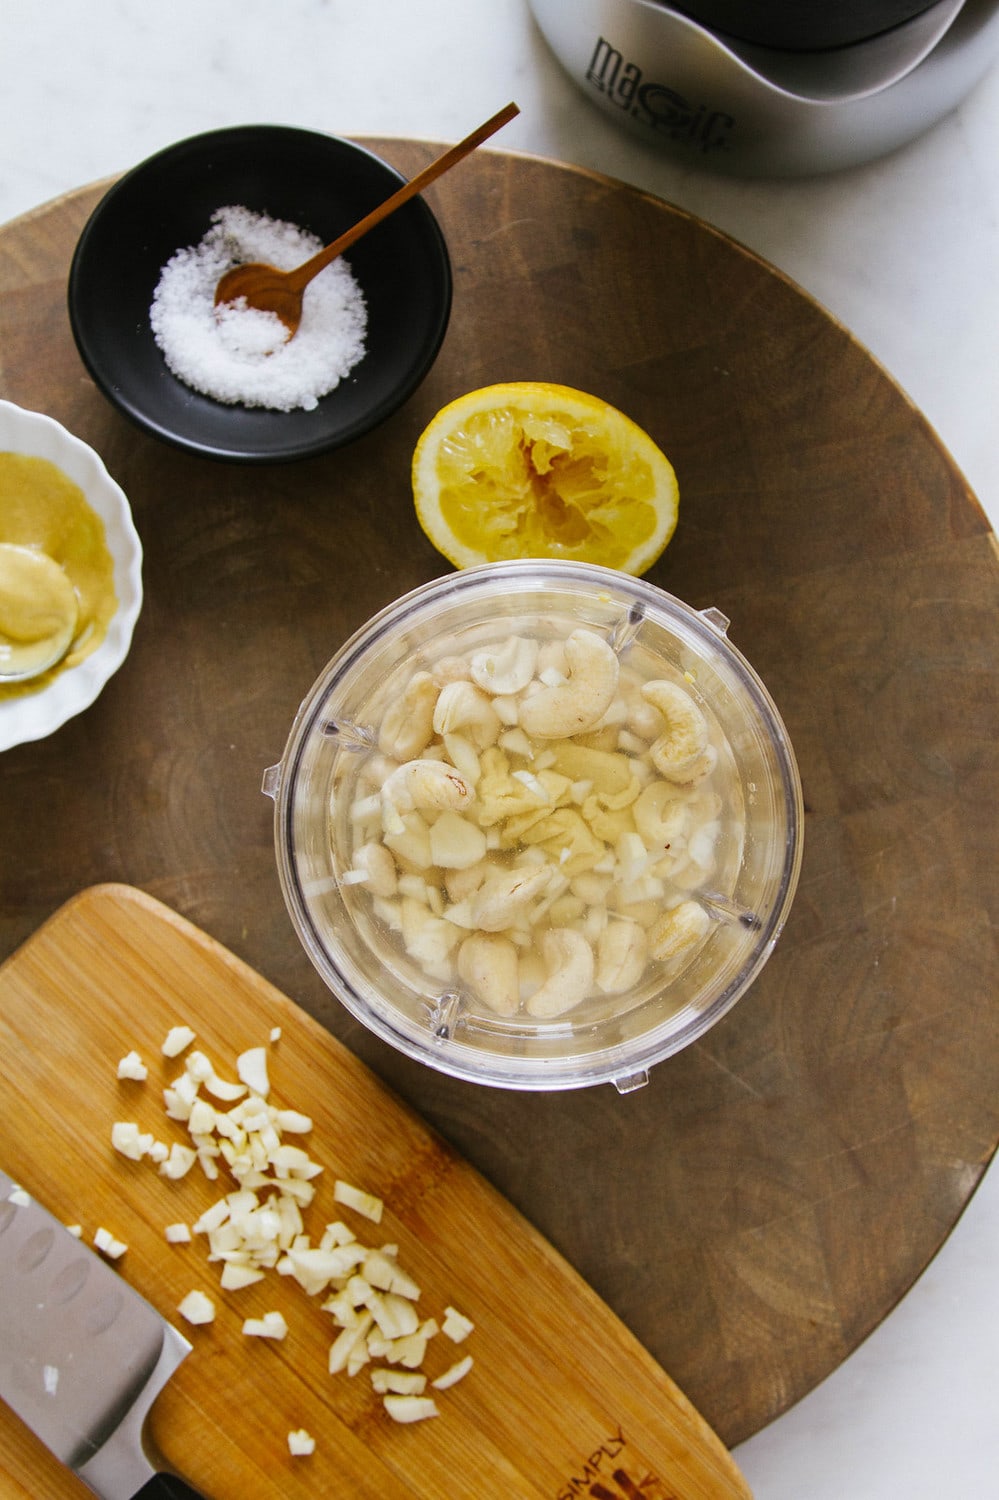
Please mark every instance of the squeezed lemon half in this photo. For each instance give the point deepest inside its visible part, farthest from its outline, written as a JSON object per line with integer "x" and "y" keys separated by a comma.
{"x": 528, "y": 469}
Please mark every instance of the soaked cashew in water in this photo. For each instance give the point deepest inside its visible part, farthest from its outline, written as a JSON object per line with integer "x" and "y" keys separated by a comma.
{"x": 464, "y": 708}
{"x": 408, "y": 725}
{"x": 409, "y": 839}
{"x": 640, "y": 718}
{"x": 450, "y": 669}
{"x": 463, "y": 756}
{"x": 568, "y": 960}
{"x": 622, "y": 953}
{"x": 579, "y": 703}
{"x": 606, "y": 772}
{"x": 678, "y": 930}
{"x": 662, "y": 815}
{"x": 536, "y": 822}
{"x": 683, "y": 752}
{"x": 488, "y": 963}
{"x": 378, "y": 867}
{"x": 427, "y": 938}
{"x": 455, "y": 843}
{"x": 505, "y": 669}
{"x": 504, "y": 897}
{"x": 426, "y": 783}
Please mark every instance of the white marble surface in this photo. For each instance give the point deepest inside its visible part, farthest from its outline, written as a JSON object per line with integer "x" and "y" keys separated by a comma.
{"x": 905, "y": 252}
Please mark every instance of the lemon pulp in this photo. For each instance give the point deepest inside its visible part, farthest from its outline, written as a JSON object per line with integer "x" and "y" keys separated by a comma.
{"x": 529, "y": 469}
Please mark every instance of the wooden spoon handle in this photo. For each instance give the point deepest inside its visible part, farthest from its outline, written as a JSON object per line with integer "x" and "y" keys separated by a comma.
{"x": 303, "y": 274}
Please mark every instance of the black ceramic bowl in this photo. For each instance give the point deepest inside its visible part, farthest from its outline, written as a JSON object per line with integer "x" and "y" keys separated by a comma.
{"x": 320, "y": 182}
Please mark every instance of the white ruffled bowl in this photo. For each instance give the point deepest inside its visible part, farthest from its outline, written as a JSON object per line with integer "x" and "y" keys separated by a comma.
{"x": 32, "y": 716}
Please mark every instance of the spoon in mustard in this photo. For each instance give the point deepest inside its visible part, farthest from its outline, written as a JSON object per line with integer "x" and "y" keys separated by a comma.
{"x": 39, "y": 613}
{"x": 280, "y": 292}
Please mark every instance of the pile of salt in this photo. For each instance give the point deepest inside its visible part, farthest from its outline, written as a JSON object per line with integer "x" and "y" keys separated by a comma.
{"x": 238, "y": 355}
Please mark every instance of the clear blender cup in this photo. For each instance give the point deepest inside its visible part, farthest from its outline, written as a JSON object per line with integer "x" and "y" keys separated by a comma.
{"x": 416, "y": 996}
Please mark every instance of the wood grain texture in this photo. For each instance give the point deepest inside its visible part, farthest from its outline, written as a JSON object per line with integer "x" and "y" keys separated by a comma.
{"x": 756, "y": 1211}
{"x": 557, "y": 1378}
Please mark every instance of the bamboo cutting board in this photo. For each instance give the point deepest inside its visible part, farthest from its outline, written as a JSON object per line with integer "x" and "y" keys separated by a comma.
{"x": 561, "y": 1400}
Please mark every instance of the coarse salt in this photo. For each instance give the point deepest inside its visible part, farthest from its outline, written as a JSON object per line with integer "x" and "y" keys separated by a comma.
{"x": 240, "y": 356}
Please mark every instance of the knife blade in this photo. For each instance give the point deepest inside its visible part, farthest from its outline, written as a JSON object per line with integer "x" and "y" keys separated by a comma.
{"x": 82, "y": 1355}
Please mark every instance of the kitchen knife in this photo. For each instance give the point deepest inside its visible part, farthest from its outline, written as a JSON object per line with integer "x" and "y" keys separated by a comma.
{"x": 82, "y": 1355}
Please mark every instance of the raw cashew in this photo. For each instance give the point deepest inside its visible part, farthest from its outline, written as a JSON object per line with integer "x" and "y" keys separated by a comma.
{"x": 565, "y": 838}
{"x": 503, "y": 796}
{"x": 507, "y": 708}
{"x": 425, "y": 783}
{"x": 450, "y": 669}
{"x": 378, "y": 867}
{"x": 622, "y": 951}
{"x": 506, "y": 668}
{"x": 504, "y": 898}
{"x": 675, "y": 932}
{"x": 702, "y": 845}
{"x": 374, "y": 773}
{"x": 489, "y": 965}
{"x": 408, "y": 725}
{"x": 516, "y": 742}
{"x": 464, "y": 708}
{"x": 455, "y": 843}
{"x": 463, "y": 756}
{"x": 410, "y": 841}
{"x": 606, "y": 823}
{"x": 576, "y": 705}
{"x": 606, "y": 772}
{"x": 427, "y": 938}
{"x": 641, "y": 717}
{"x": 662, "y": 815}
{"x": 568, "y": 960}
{"x": 682, "y": 752}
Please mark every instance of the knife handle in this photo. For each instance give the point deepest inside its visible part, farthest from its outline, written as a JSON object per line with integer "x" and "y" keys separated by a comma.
{"x": 167, "y": 1487}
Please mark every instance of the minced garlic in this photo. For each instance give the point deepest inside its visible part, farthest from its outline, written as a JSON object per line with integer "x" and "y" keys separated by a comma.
{"x": 197, "y": 1308}
{"x": 106, "y": 1243}
{"x": 132, "y": 1066}
{"x": 258, "y": 1227}
{"x": 177, "y": 1040}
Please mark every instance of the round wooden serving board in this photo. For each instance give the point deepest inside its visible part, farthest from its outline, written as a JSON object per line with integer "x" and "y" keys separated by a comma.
{"x": 756, "y": 1210}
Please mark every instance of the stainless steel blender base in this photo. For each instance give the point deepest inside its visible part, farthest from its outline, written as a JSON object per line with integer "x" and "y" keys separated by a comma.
{"x": 748, "y": 110}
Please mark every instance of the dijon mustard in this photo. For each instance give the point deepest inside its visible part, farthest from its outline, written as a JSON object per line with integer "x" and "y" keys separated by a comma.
{"x": 38, "y": 611}
{"x": 45, "y": 514}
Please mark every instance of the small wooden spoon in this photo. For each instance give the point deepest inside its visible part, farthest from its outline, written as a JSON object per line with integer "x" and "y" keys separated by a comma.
{"x": 270, "y": 290}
